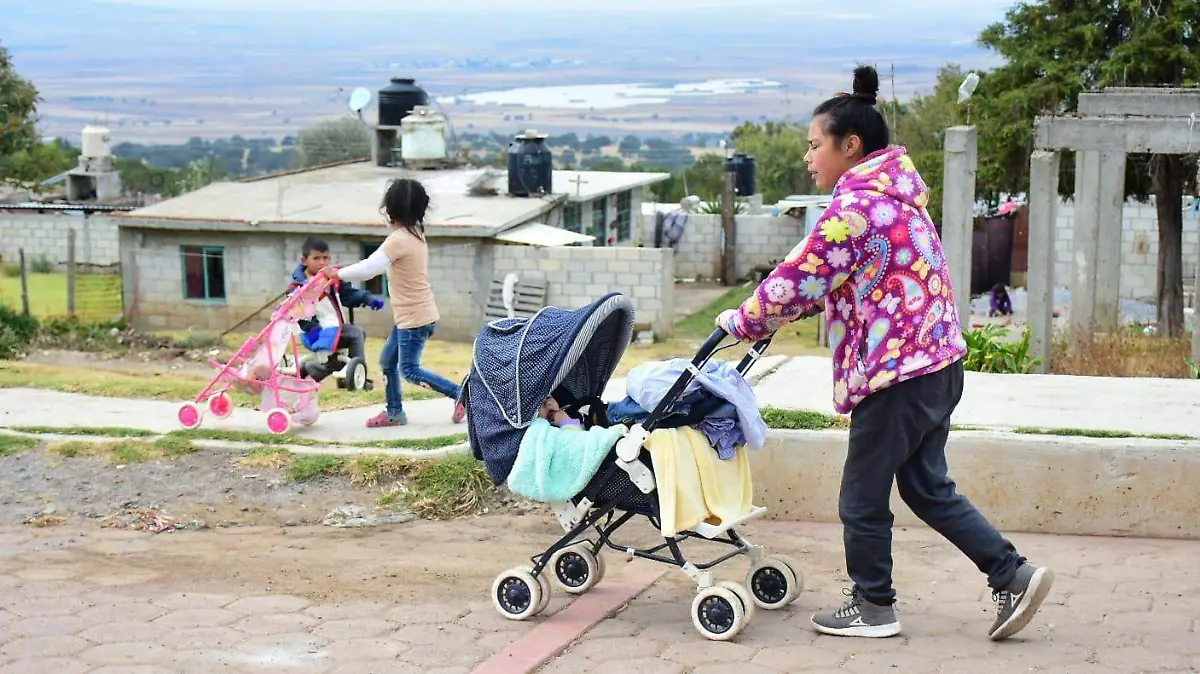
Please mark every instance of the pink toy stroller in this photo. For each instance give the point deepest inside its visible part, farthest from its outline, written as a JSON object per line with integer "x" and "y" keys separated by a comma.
{"x": 254, "y": 369}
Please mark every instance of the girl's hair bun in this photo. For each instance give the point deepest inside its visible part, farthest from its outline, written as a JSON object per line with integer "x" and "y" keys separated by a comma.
{"x": 866, "y": 84}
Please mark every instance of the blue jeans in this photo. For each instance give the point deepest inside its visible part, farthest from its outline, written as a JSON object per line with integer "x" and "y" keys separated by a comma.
{"x": 402, "y": 355}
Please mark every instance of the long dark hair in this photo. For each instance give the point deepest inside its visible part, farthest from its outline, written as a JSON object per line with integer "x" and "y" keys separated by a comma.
{"x": 405, "y": 203}
{"x": 855, "y": 113}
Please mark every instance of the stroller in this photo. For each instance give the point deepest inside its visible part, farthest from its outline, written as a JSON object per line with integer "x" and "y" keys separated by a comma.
{"x": 260, "y": 367}
{"x": 517, "y": 363}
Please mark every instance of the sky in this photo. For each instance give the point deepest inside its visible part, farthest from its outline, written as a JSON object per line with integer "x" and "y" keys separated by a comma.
{"x": 985, "y": 10}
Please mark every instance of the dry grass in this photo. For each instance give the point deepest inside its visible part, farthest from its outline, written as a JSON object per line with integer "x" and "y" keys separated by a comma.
{"x": 1125, "y": 354}
{"x": 124, "y": 451}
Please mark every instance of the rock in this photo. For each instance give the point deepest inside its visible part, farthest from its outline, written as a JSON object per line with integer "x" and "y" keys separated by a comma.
{"x": 353, "y": 516}
{"x": 48, "y": 510}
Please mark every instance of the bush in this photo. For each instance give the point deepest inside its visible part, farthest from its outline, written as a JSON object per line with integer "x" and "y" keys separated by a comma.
{"x": 16, "y": 333}
{"x": 989, "y": 350}
{"x": 41, "y": 264}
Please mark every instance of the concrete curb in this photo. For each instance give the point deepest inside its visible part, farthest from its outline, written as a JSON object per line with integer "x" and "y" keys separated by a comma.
{"x": 205, "y": 443}
{"x": 1023, "y": 483}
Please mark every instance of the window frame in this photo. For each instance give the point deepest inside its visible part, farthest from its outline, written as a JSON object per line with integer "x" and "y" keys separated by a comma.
{"x": 205, "y": 251}
{"x": 367, "y": 249}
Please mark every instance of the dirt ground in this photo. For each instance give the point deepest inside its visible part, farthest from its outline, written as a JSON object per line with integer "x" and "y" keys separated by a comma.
{"x": 201, "y": 490}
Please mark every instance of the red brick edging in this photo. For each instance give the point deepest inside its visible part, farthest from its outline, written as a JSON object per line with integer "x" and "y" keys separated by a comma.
{"x": 552, "y": 637}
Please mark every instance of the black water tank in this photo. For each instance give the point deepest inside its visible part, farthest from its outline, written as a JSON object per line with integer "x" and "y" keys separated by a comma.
{"x": 744, "y": 179}
{"x": 398, "y": 99}
{"x": 530, "y": 165}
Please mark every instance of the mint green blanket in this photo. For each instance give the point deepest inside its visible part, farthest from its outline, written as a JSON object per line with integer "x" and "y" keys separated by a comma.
{"x": 554, "y": 464}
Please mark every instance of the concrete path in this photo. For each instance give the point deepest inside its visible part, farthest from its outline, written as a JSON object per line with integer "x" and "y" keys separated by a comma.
{"x": 1011, "y": 400}
{"x": 32, "y": 407}
{"x": 319, "y": 602}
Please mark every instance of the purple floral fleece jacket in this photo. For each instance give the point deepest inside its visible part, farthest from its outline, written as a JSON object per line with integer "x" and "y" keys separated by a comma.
{"x": 876, "y": 261}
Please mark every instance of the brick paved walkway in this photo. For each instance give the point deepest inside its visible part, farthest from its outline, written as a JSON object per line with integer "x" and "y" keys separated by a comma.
{"x": 114, "y": 602}
{"x": 1118, "y": 606}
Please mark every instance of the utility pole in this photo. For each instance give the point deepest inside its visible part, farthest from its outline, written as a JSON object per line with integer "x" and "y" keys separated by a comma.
{"x": 728, "y": 200}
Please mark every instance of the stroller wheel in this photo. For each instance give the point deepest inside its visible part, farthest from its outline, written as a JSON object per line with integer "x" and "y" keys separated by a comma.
{"x": 516, "y": 594}
{"x": 190, "y": 415}
{"x": 775, "y": 582}
{"x": 220, "y": 405}
{"x": 717, "y": 613}
{"x": 576, "y": 569}
{"x": 279, "y": 421}
{"x": 743, "y": 594}
{"x": 547, "y": 591}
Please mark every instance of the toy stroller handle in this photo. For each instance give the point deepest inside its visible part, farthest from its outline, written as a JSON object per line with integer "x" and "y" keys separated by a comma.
{"x": 702, "y": 356}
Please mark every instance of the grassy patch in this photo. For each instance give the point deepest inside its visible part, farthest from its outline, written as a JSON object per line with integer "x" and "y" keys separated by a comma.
{"x": 794, "y": 339}
{"x": 1099, "y": 433}
{"x": 103, "y": 431}
{"x": 266, "y": 457}
{"x": 124, "y": 451}
{"x": 371, "y": 470}
{"x": 449, "y": 487}
{"x": 291, "y": 439}
{"x": 14, "y": 444}
{"x": 308, "y": 467}
{"x": 805, "y": 420}
{"x": 1127, "y": 353}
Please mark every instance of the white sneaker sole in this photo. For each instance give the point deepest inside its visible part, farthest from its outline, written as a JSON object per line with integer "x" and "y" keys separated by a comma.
{"x": 1035, "y": 594}
{"x": 868, "y": 631}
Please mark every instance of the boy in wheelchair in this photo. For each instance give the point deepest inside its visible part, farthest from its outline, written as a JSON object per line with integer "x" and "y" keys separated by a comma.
{"x": 347, "y": 356}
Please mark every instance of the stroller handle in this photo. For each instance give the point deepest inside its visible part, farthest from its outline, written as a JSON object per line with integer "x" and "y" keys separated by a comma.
{"x": 702, "y": 357}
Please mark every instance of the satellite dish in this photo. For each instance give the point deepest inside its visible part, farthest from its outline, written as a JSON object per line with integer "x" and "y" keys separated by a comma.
{"x": 359, "y": 98}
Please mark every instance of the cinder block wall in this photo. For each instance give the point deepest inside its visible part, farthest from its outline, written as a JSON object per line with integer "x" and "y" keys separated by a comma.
{"x": 760, "y": 239}
{"x": 46, "y": 234}
{"x": 578, "y": 275}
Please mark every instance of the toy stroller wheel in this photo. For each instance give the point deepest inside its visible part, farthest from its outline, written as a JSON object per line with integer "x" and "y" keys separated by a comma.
{"x": 576, "y": 569}
{"x": 516, "y": 594}
{"x": 743, "y": 594}
{"x": 717, "y": 613}
{"x": 774, "y": 582}
{"x": 356, "y": 374}
{"x": 190, "y": 415}
{"x": 221, "y": 405}
{"x": 279, "y": 421}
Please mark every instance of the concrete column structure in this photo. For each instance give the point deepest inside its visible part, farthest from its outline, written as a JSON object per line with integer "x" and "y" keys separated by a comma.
{"x": 1083, "y": 247}
{"x": 1043, "y": 204}
{"x": 1196, "y": 316}
{"x": 1096, "y": 264}
{"x": 958, "y": 212}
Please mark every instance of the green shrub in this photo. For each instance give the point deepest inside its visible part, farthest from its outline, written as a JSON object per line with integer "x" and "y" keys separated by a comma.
{"x": 16, "y": 332}
{"x": 41, "y": 264}
{"x": 989, "y": 351}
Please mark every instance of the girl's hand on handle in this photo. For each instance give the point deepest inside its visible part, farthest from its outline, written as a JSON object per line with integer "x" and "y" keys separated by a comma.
{"x": 725, "y": 321}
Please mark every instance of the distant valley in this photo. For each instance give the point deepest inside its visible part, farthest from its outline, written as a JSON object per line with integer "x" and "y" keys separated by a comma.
{"x": 161, "y": 75}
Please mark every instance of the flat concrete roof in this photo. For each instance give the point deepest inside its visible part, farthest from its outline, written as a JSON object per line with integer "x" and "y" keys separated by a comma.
{"x": 348, "y": 196}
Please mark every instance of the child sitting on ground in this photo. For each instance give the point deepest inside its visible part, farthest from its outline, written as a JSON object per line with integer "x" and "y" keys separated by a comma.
{"x": 320, "y": 331}
{"x": 1001, "y": 304}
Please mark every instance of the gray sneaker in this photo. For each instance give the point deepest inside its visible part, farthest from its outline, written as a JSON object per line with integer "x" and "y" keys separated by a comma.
{"x": 858, "y": 618}
{"x": 1016, "y": 604}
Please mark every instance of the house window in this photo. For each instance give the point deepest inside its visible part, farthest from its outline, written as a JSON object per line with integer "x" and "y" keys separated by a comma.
{"x": 599, "y": 228}
{"x": 625, "y": 216}
{"x": 378, "y": 285}
{"x": 573, "y": 218}
{"x": 203, "y": 272}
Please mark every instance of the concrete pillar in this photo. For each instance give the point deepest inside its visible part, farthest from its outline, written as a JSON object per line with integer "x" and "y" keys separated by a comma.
{"x": 1196, "y": 315}
{"x": 1111, "y": 208}
{"x": 1096, "y": 250}
{"x": 1043, "y": 218}
{"x": 958, "y": 212}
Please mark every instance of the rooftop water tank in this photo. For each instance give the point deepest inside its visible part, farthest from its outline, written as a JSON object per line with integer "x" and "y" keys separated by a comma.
{"x": 423, "y": 138}
{"x": 530, "y": 165}
{"x": 744, "y": 178}
{"x": 397, "y": 100}
{"x": 96, "y": 141}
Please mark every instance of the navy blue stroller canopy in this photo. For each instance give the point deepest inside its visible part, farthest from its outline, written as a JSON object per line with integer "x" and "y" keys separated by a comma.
{"x": 519, "y": 362}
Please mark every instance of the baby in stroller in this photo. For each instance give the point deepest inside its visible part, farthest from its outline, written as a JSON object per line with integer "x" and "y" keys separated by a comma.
{"x": 535, "y": 413}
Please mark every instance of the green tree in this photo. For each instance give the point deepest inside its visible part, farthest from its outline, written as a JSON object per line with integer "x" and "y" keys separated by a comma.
{"x": 18, "y": 113}
{"x": 26, "y": 169}
{"x": 778, "y": 150}
{"x": 331, "y": 141}
{"x": 920, "y": 126}
{"x": 1055, "y": 49}
{"x": 629, "y": 146}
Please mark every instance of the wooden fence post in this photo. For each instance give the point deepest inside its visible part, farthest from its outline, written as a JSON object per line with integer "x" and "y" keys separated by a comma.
{"x": 24, "y": 282}
{"x": 71, "y": 273}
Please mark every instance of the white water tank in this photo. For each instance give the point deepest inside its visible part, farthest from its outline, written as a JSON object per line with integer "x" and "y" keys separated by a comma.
{"x": 96, "y": 140}
{"x": 423, "y": 137}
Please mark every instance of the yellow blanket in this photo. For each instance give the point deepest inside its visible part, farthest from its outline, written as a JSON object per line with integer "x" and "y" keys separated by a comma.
{"x": 694, "y": 484}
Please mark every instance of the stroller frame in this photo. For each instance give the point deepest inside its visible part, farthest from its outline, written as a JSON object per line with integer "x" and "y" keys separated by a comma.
{"x": 721, "y": 609}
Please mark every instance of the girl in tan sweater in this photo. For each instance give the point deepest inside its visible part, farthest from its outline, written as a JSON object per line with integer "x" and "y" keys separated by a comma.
{"x": 404, "y": 256}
